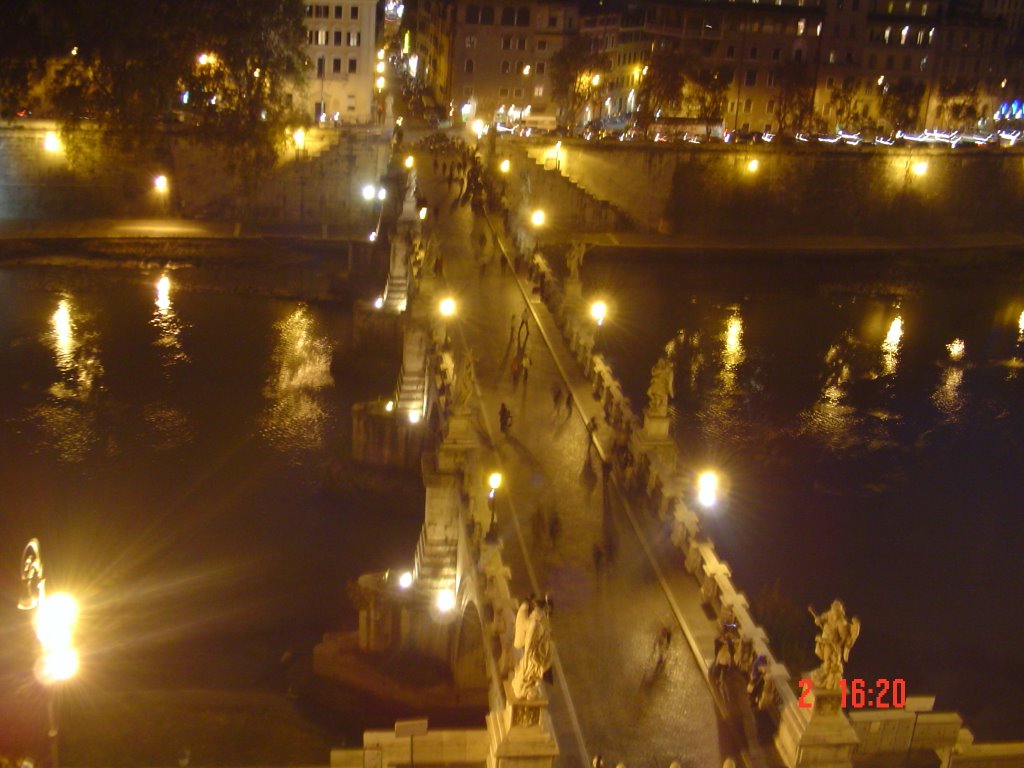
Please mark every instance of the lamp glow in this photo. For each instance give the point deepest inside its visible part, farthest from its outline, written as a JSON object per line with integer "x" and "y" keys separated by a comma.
{"x": 707, "y": 489}
{"x": 505, "y": 165}
{"x": 380, "y": 67}
{"x": 382, "y": 194}
{"x": 299, "y": 137}
{"x": 378, "y": 302}
{"x": 55, "y": 617}
{"x": 753, "y": 165}
{"x": 447, "y": 306}
{"x": 405, "y": 580}
{"x": 52, "y": 143}
{"x": 380, "y": 83}
{"x": 58, "y": 664}
{"x": 423, "y": 213}
{"x": 160, "y": 184}
{"x": 369, "y": 192}
{"x": 445, "y": 600}
{"x": 414, "y": 417}
{"x": 494, "y": 481}
{"x": 920, "y": 168}
{"x": 598, "y": 311}
{"x": 409, "y": 161}
{"x": 389, "y": 406}
{"x": 537, "y": 218}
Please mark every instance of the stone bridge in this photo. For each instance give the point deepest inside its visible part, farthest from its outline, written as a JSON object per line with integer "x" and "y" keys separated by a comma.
{"x": 456, "y": 604}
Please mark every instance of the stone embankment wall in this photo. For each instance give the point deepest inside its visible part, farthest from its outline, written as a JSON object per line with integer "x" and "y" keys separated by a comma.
{"x": 93, "y": 176}
{"x": 712, "y": 190}
{"x": 652, "y": 479}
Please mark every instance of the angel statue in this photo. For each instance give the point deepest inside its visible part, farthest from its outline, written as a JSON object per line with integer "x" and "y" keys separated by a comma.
{"x": 464, "y": 383}
{"x": 832, "y": 646}
{"x": 662, "y": 387}
{"x": 574, "y": 259}
{"x": 537, "y": 653}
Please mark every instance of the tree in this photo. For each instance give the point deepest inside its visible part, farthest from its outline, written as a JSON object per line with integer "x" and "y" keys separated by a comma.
{"x": 958, "y": 103}
{"x": 794, "y": 106}
{"x": 242, "y": 90}
{"x": 661, "y": 86}
{"x": 901, "y": 103}
{"x": 31, "y": 33}
{"x": 705, "y": 93}
{"x": 842, "y": 100}
{"x": 576, "y": 77}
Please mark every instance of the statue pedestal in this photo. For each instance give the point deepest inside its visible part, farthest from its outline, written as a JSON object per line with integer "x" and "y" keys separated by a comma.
{"x": 573, "y": 290}
{"x": 824, "y": 740}
{"x": 459, "y": 439}
{"x": 656, "y": 427}
{"x": 521, "y": 735}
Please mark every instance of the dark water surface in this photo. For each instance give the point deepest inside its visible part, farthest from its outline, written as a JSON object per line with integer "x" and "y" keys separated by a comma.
{"x": 170, "y": 450}
{"x": 870, "y": 424}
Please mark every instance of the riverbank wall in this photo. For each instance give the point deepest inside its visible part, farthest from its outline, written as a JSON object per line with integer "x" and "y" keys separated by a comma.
{"x": 90, "y": 174}
{"x": 765, "y": 189}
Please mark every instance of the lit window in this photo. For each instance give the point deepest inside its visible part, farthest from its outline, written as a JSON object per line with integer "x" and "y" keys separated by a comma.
{"x": 903, "y": 35}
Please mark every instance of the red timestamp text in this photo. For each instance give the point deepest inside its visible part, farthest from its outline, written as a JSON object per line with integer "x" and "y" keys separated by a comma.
{"x": 857, "y": 693}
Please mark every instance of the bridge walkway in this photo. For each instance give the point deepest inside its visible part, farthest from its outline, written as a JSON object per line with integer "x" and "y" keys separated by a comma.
{"x": 610, "y": 697}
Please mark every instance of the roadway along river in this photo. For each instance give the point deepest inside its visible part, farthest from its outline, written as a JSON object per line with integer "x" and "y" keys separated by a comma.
{"x": 868, "y": 420}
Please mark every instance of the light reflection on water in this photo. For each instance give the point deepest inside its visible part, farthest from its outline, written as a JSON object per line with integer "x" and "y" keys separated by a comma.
{"x": 68, "y": 416}
{"x": 891, "y": 346}
{"x": 296, "y": 415}
{"x": 168, "y": 325}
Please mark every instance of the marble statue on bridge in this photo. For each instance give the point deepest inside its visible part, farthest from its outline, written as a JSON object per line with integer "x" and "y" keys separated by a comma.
{"x": 464, "y": 384}
{"x": 574, "y": 259}
{"x": 537, "y": 653}
{"x": 832, "y": 646}
{"x": 662, "y": 387}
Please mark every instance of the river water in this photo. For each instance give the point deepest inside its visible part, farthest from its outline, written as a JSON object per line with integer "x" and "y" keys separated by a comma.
{"x": 869, "y": 423}
{"x": 173, "y": 451}
{"x": 170, "y": 446}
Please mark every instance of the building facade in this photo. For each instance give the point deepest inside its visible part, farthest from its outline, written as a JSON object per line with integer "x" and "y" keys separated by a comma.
{"x": 340, "y": 49}
{"x": 871, "y": 64}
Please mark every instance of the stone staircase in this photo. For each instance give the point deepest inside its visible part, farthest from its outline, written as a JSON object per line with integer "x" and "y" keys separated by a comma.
{"x": 435, "y": 564}
{"x": 588, "y": 210}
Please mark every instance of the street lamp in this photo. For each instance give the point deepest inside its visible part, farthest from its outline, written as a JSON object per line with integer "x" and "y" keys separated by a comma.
{"x": 299, "y": 137}
{"x": 405, "y": 580}
{"x": 599, "y": 311}
{"x": 423, "y": 213}
{"x": 160, "y": 184}
{"x": 54, "y": 622}
{"x": 447, "y": 309}
{"x": 493, "y": 484}
{"x": 380, "y": 83}
{"x": 753, "y": 165}
{"x": 369, "y": 192}
{"x": 920, "y": 168}
{"x": 537, "y": 218}
{"x": 505, "y": 165}
{"x": 409, "y": 161}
